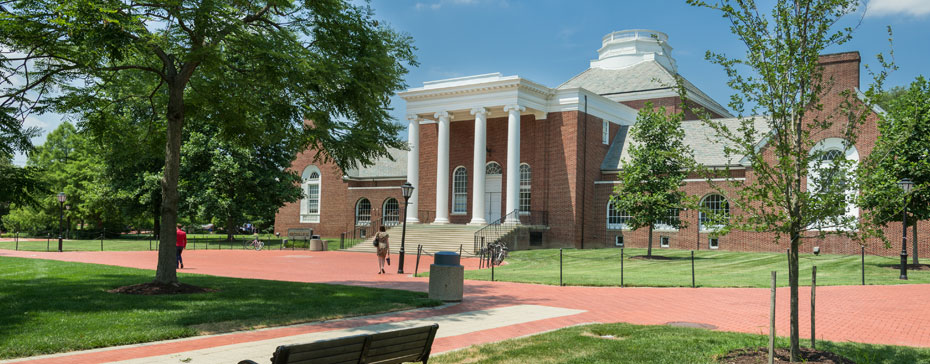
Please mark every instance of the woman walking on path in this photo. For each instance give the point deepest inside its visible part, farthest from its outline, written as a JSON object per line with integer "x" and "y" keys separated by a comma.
{"x": 181, "y": 244}
{"x": 384, "y": 249}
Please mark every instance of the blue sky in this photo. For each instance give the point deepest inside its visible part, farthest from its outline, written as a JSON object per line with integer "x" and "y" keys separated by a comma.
{"x": 549, "y": 41}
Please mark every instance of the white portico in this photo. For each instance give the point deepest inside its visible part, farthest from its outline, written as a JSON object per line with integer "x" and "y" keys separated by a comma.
{"x": 481, "y": 98}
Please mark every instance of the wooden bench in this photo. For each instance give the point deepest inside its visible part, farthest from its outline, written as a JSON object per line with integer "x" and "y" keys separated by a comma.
{"x": 398, "y": 346}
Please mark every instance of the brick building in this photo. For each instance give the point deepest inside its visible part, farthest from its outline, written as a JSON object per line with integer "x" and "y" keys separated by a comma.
{"x": 492, "y": 148}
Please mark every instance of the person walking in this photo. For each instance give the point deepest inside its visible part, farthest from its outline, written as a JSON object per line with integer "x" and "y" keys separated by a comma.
{"x": 181, "y": 244}
{"x": 384, "y": 249}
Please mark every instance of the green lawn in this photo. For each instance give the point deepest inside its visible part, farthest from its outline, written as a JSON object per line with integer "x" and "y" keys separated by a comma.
{"x": 653, "y": 344}
{"x": 194, "y": 242}
{"x": 601, "y": 267}
{"x": 49, "y": 306}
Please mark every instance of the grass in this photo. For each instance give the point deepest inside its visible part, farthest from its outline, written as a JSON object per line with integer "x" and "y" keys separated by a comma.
{"x": 49, "y": 306}
{"x": 194, "y": 242}
{"x": 653, "y": 344}
{"x": 601, "y": 267}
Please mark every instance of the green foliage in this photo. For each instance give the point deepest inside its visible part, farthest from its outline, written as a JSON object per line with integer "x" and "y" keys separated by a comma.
{"x": 651, "y": 179}
{"x": 901, "y": 151}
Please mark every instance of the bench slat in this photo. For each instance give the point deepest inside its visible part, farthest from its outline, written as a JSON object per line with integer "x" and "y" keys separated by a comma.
{"x": 395, "y": 348}
{"x": 398, "y": 346}
{"x": 418, "y": 338}
{"x": 326, "y": 352}
{"x": 395, "y": 360}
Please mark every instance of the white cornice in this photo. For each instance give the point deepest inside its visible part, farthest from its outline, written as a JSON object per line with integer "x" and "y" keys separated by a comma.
{"x": 572, "y": 99}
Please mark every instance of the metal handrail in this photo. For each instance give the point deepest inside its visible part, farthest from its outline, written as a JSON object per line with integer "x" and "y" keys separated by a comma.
{"x": 493, "y": 231}
{"x": 361, "y": 233}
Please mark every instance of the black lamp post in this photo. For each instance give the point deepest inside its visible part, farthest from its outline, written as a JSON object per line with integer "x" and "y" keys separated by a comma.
{"x": 407, "y": 190}
{"x": 61, "y": 216}
{"x": 906, "y": 185}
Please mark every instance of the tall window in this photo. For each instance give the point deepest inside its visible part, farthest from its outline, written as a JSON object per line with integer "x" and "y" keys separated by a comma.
{"x": 391, "y": 212}
{"x": 525, "y": 178}
{"x": 605, "y": 132}
{"x": 669, "y": 222}
{"x": 310, "y": 204}
{"x": 363, "y": 212}
{"x": 616, "y": 219}
{"x": 829, "y": 176}
{"x": 714, "y": 209}
{"x": 493, "y": 169}
{"x": 460, "y": 191}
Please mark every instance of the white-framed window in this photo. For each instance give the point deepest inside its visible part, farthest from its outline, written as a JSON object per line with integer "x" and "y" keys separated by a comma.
{"x": 832, "y": 168}
{"x": 605, "y": 132}
{"x": 363, "y": 212}
{"x": 713, "y": 209}
{"x": 669, "y": 222}
{"x": 618, "y": 241}
{"x": 713, "y": 242}
{"x": 493, "y": 168}
{"x": 525, "y": 194}
{"x": 460, "y": 190}
{"x": 663, "y": 241}
{"x": 310, "y": 203}
{"x": 391, "y": 212}
{"x": 616, "y": 219}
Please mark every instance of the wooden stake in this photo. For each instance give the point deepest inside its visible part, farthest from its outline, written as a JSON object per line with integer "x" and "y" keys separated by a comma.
{"x": 813, "y": 299}
{"x": 772, "y": 323}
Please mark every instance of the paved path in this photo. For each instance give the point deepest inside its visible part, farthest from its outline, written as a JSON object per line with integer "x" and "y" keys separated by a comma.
{"x": 898, "y": 315}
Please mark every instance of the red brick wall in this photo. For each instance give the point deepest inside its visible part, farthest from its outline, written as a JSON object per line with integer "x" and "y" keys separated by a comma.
{"x": 672, "y": 104}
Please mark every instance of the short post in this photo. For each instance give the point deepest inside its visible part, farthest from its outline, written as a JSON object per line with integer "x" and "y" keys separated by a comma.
{"x": 460, "y": 250}
{"x": 692, "y": 269}
{"x": 101, "y": 238}
{"x": 492, "y": 272}
{"x": 863, "y": 265}
{"x": 48, "y": 241}
{"x": 813, "y": 299}
{"x": 621, "y": 267}
{"x": 416, "y": 269}
{"x": 342, "y": 241}
{"x": 150, "y": 243}
{"x": 772, "y": 323}
{"x": 560, "y": 267}
{"x": 16, "y": 238}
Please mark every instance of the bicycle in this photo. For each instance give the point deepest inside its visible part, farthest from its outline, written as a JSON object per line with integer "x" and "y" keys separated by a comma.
{"x": 254, "y": 244}
{"x": 498, "y": 252}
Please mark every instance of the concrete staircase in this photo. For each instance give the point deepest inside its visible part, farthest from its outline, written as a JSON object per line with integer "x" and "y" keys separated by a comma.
{"x": 434, "y": 238}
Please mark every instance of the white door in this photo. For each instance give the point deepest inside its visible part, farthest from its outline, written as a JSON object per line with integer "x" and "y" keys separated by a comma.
{"x": 492, "y": 198}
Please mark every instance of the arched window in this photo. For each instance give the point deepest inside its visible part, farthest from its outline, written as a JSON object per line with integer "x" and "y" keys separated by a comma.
{"x": 616, "y": 219}
{"x": 829, "y": 174}
{"x": 391, "y": 212}
{"x": 460, "y": 191}
{"x": 310, "y": 204}
{"x": 669, "y": 222}
{"x": 714, "y": 210}
{"x": 363, "y": 212}
{"x": 525, "y": 178}
{"x": 493, "y": 168}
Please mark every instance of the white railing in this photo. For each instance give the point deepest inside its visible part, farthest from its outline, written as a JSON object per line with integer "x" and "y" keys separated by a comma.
{"x": 635, "y": 34}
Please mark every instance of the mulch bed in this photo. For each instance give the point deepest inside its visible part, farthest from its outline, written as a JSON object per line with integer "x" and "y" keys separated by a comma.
{"x": 653, "y": 257}
{"x": 782, "y": 355}
{"x": 912, "y": 266}
{"x": 154, "y": 288}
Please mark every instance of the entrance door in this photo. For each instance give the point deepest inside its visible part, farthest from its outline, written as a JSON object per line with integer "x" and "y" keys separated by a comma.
{"x": 492, "y": 192}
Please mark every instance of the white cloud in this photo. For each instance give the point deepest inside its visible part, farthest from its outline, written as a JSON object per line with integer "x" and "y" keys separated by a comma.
{"x": 915, "y": 8}
{"x": 439, "y": 4}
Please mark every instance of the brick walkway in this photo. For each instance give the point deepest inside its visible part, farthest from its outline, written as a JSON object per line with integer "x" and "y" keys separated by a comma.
{"x": 898, "y": 315}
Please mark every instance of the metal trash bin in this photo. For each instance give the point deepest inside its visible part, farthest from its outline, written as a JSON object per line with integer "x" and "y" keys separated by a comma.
{"x": 446, "y": 277}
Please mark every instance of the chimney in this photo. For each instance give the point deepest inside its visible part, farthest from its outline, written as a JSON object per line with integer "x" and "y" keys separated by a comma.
{"x": 843, "y": 68}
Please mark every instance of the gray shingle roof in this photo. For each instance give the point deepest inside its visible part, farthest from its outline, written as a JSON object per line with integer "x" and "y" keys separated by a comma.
{"x": 383, "y": 167}
{"x": 643, "y": 76}
{"x": 708, "y": 149}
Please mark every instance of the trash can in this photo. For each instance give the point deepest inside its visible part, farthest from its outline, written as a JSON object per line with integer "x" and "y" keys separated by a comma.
{"x": 317, "y": 245}
{"x": 446, "y": 277}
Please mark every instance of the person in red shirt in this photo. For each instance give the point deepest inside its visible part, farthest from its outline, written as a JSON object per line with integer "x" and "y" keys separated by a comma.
{"x": 181, "y": 244}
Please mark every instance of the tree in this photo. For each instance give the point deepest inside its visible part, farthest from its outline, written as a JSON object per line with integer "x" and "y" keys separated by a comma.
{"x": 659, "y": 162}
{"x": 229, "y": 182}
{"x": 241, "y": 65}
{"x": 901, "y": 151}
{"x": 780, "y": 77}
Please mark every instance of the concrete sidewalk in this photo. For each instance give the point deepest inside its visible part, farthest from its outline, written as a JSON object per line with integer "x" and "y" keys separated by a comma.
{"x": 898, "y": 315}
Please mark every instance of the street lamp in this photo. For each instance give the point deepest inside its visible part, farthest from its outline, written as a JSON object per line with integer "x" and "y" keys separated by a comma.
{"x": 906, "y": 185}
{"x": 407, "y": 190}
{"x": 61, "y": 216}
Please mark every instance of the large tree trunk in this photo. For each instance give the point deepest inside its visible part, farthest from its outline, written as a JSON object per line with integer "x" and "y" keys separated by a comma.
{"x": 166, "y": 272}
{"x": 156, "y": 216}
{"x": 793, "y": 283}
{"x": 649, "y": 249}
{"x": 230, "y": 228}
{"x": 916, "y": 261}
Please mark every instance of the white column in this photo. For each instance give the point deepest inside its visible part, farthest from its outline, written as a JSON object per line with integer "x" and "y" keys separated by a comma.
{"x": 413, "y": 167}
{"x": 442, "y": 170}
{"x": 513, "y": 161}
{"x": 480, "y": 158}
